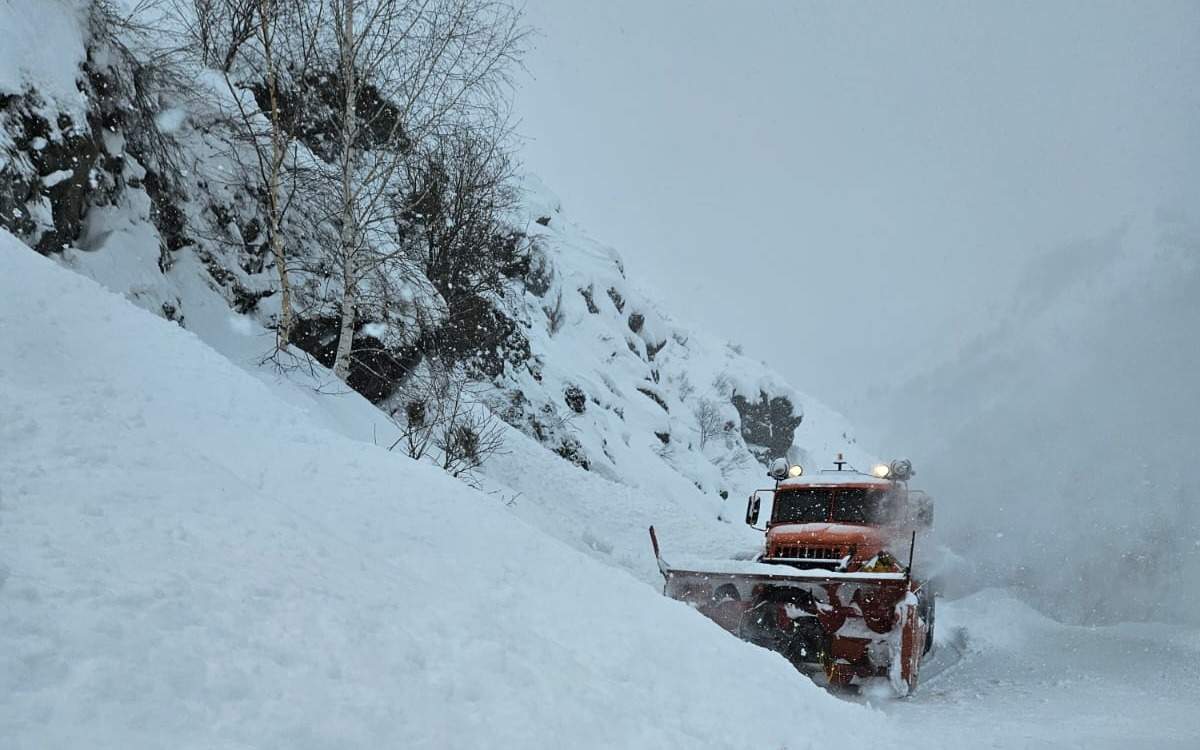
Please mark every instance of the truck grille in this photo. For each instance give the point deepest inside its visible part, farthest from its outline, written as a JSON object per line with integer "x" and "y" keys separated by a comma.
{"x": 804, "y": 552}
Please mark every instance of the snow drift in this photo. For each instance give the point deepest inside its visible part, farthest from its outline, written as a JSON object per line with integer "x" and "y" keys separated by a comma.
{"x": 187, "y": 556}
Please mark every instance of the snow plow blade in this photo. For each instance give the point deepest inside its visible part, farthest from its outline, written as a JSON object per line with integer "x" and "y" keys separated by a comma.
{"x": 842, "y": 625}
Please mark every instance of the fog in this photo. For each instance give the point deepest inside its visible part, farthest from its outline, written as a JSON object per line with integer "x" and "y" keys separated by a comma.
{"x": 786, "y": 172}
{"x": 971, "y": 226}
{"x": 1062, "y": 443}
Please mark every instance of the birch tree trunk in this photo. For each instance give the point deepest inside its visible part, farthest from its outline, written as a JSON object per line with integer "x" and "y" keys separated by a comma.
{"x": 267, "y": 21}
{"x": 348, "y": 236}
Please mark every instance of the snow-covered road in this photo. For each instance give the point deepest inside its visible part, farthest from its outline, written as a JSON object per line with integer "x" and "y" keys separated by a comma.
{"x": 1005, "y": 676}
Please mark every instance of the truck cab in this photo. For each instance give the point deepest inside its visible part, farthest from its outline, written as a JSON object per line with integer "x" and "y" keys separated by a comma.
{"x": 842, "y": 520}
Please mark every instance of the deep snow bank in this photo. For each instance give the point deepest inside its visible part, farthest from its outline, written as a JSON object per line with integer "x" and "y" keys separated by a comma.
{"x": 188, "y": 558}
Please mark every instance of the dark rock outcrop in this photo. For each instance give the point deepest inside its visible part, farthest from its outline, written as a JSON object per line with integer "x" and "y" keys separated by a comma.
{"x": 768, "y": 424}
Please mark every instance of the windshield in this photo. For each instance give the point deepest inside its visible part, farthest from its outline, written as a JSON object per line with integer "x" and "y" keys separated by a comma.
{"x": 860, "y": 505}
{"x": 808, "y": 505}
{"x": 841, "y": 504}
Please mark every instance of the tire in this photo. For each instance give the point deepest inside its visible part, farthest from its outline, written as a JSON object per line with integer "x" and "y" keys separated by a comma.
{"x": 726, "y": 593}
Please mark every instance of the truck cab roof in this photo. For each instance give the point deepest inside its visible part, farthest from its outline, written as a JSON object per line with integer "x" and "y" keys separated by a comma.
{"x": 835, "y": 479}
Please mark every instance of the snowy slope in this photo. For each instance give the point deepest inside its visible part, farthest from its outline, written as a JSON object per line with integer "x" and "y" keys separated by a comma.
{"x": 187, "y": 556}
{"x": 638, "y": 425}
{"x": 614, "y": 383}
{"x": 41, "y": 48}
{"x": 645, "y": 374}
{"x": 604, "y": 511}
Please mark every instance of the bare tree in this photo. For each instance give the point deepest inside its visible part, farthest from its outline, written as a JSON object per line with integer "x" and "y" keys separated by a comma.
{"x": 467, "y": 441}
{"x": 683, "y": 386}
{"x": 376, "y": 91}
{"x": 219, "y": 28}
{"x": 428, "y": 65}
{"x": 261, "y": 48}
{"x": 709, "y": 420}
{"x": 271, "y": 164}
{"x": 348, "y": 43}
{"x": 555, "y": 315}
{"x": 441, "y": 418}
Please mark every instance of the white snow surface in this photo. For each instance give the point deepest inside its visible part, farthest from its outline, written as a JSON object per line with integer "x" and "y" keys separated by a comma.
{"x": 1005, "y": 676}
{"x": 41, "y": 48}
{"x": 188, "y": 557}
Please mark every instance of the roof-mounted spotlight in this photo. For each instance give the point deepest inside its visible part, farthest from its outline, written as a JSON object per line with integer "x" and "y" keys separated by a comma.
{"x": 901, "y": 469}
{"x": 779, "y": 469}
{"x": 883, "y": 471}
{"x": 795, "y": 471}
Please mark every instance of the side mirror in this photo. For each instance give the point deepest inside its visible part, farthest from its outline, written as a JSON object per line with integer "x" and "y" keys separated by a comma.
{"x": 779, "y": 469}
{"x": 752, "y": 506}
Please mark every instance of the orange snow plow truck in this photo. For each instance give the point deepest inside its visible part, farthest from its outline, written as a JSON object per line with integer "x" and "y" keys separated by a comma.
{"x": 834, "y": 589}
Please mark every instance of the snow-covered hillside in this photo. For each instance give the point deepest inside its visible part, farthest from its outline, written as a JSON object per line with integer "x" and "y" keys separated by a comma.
{"x": 636, "y": 385}
{"x": 645, "y": 377}
{"x": 201, "y": 547}
{"x": 188, "y": 556}
{"x": 668, "y": 425}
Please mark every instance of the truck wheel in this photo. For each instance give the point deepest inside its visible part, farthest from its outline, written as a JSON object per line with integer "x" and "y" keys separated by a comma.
{"x": 726, "y": 593}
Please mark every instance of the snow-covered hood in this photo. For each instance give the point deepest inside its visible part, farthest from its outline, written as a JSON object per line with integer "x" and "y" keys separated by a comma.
{"x": 867, "y": 540}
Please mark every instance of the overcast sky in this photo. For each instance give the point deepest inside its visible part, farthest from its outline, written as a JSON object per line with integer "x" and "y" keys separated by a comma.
{"x": 784, "y": 173}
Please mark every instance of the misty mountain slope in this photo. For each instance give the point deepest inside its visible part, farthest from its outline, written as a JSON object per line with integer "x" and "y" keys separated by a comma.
{"x": 188, "y": 556}
{"x": 1062, "y": 443}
